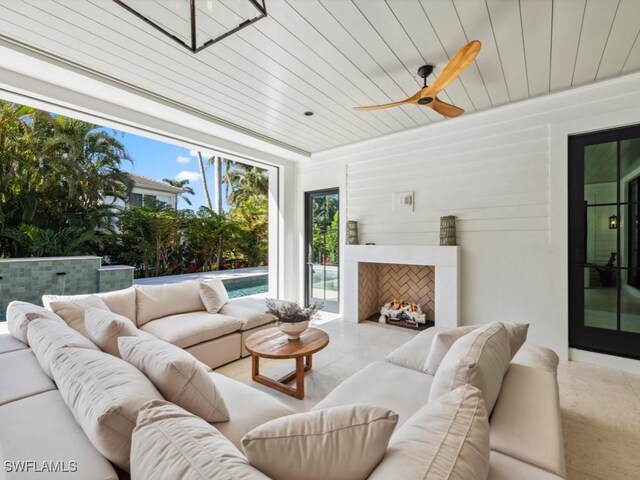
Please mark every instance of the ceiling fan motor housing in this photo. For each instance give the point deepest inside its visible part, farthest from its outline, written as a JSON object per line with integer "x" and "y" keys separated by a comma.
{"x": 425, "y": 70}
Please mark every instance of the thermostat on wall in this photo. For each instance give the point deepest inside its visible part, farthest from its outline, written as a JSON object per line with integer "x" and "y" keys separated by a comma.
{"x": 403, "y": 202}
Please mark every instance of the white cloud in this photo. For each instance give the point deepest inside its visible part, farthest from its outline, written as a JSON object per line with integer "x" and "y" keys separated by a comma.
{"x": 182, "y": 159}
{"x": 187, "y": 175}
{"x": 205, "y": 153}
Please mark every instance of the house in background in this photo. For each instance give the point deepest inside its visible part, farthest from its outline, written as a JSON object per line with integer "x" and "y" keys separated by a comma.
{"x": 148, "y": 188}
{"x": 145, "y": 188}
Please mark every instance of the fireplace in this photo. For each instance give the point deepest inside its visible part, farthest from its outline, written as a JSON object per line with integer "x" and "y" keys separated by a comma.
{"x": 376, "y": 274}
{"x": 388, "y": 285}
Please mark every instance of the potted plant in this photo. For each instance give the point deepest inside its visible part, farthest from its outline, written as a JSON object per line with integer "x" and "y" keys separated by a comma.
{"x": 292, "y": 318}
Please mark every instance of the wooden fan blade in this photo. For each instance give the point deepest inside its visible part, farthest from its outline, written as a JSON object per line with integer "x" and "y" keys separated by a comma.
{"x": 456, "y": 66}
{"x": 446, "y": 109}
{"x": 411, "y": 99}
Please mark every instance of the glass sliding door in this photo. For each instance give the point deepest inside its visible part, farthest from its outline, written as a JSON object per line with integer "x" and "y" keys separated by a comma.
{"x": 322, "y": 242}
{"x": 604, "y": 242}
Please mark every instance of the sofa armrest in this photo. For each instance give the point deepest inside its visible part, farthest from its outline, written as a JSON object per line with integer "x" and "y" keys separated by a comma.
{"x": 526, "y": 423}
{"x": 413, "y": 354}
{"x": 537, "y": 356}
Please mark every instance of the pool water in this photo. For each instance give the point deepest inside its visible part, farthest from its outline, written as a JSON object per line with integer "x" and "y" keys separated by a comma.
{"x": 241, "y": 287}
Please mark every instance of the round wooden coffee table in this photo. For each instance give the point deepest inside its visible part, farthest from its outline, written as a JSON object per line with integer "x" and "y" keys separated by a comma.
{"x": 272, "y": 343}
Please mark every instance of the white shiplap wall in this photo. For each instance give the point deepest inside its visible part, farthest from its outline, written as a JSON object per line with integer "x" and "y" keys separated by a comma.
{"x": 492, "y": 183}
{"x": 502, "y": 173}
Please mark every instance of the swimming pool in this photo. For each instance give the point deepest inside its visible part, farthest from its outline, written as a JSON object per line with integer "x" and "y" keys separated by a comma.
{"x": 244, "y": 286}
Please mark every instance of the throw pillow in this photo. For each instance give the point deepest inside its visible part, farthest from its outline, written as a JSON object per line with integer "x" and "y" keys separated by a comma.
{"x": 105, "y": 327}
{"x": 480, "y": 358}
{"x": 122, "y": 302}
{"x": 20, "y": 314}
{"x": 340, "y": 443}
{"x": 177, "y": 374}
{"x": 104, "y": 394}
{"x": 440, "y": 345}
{"x": 46, "y": 336}
{"x": 447, "y": 439}
{"x": 214, "y": 295}
{"x": 444, "y": 339}
{"x": 73, "y": 312}
{"x": 190, "y": 448}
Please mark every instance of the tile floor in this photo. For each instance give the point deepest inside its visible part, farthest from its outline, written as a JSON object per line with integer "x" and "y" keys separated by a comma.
{"x": 600, "y": 406}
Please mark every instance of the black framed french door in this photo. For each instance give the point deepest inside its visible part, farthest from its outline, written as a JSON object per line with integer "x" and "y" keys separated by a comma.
{"x": 604, "y": 241}
{"x": 322, "y": 241}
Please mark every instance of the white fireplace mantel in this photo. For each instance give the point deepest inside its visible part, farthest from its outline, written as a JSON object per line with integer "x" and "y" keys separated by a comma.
{"x": 446, "y": 261}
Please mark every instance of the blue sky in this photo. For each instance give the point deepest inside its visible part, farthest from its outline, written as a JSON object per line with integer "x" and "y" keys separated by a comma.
{"x": 158, "y": 160}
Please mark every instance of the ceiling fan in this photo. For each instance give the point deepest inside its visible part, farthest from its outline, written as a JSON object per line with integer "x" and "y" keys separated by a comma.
{"x": 428, "y": 93}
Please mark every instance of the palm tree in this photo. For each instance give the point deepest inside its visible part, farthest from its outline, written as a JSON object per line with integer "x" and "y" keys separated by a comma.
{"x": 184, "y": 185}
{"x": 203, "y": 177}
{"x": 217, "y": 179}
{"x": 245, "y": 182}
{"x": 89, "y": 169}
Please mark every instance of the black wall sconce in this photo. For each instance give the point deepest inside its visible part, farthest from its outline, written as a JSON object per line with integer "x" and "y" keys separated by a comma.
{"x": 613, "y": 222}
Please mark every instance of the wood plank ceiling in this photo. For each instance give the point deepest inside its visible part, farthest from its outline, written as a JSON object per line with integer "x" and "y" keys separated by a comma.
{"x": 330, "y": 55}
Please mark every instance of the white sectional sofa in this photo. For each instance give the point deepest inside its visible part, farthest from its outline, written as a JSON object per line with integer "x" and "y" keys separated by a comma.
{"x": 525, "y": 428}
{"x": 37, "y": 426}
{"x": 175, "y": 313}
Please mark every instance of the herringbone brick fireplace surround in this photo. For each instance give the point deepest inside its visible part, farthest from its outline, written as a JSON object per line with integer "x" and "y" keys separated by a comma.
{"x": 423, "y": 274}
{"x": 379, "y": 283}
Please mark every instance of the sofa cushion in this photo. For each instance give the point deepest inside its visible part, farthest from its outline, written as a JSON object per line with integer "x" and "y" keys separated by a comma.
{"x": 190, "y": 448}
{"x": 447, "y": 439}
{"x": 217, "y": 352}
{"x": 122, "y": 302}
{"x": 213, "y": 294}
{"x": 157, "y": 301}
{"x": 252, "y": 312}
{"x": 8, "y": 343}
{"x": 41, "y": 428}
{"x": 379, "y": 384}
{"x": 504, "y": 467}
{"x": 480, "y": 358}
{"x": 413, "y": 354}
{"x": 178, "y": 376}
{"x": 105, "y": 327}
{"x": 73, "y": 312}
{"x": 444, "y": 339}
{"x": 340, "y": 443}
{"x": 19, "y": 314}
{"x": 247, "y": 408}
{"x": 187, "y": 329}
{"x": 105, "y": 394}
{"x": 46, "y": 336}
{"x": 21, "y": 376}
{"x": 526, "y": 422}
